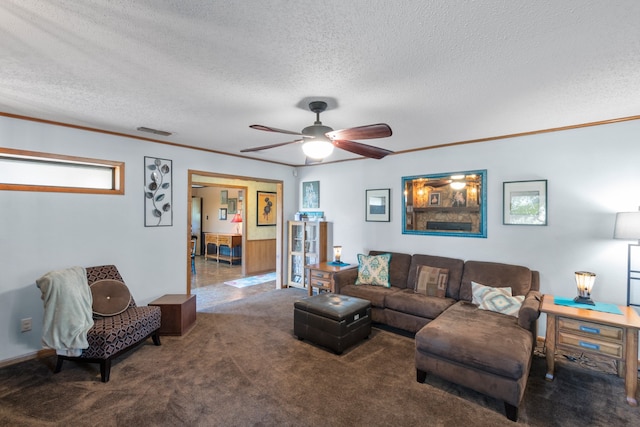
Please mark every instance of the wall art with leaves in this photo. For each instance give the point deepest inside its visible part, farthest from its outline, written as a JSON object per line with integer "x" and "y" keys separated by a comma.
{"x": 158, "y": 192}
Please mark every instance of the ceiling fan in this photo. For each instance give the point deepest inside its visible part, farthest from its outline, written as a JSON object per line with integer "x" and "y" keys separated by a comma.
{"x": 319, "y": 140}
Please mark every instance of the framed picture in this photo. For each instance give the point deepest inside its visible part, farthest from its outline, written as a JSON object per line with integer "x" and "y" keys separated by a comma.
{"x": 266, "y": 208}
{"x": 158, "y": 192}
{"x": 525, "y": 202}
{"x": 445, "y": 204}
{"x": 311, "y": 195}
{"x": 224, "y": 196}
{"x": 377, "y": 205}
{"x": 232, "y": 206}
{"x": 222, "y": 214}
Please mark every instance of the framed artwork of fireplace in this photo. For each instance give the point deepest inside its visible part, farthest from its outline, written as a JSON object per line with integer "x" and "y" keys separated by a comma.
{"x": 445, "y": 204}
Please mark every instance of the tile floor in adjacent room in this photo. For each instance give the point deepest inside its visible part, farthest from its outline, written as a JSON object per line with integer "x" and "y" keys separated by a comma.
{"x": 208, "y": 283}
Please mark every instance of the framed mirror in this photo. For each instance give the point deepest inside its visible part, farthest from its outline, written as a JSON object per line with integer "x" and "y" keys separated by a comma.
{"x": 445, "y": 204}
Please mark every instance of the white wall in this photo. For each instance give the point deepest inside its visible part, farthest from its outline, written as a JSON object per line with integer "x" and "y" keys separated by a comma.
{"x": 592, "y": 173}
{"x": 40, "y": 232}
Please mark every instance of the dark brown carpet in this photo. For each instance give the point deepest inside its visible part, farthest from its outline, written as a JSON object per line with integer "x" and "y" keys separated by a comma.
{"x": 242, "y": 366}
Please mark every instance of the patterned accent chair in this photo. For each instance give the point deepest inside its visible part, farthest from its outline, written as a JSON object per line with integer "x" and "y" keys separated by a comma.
{"x": 111, "y": 336}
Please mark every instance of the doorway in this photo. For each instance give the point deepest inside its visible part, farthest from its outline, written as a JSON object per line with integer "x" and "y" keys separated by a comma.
{"x": 261, "y": 246}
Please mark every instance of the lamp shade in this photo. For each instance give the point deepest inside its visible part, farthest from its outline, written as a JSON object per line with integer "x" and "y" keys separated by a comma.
{"x": 236, "y": 218}
{"x": 627, "y": 226}
{"x": 317, "y": 148}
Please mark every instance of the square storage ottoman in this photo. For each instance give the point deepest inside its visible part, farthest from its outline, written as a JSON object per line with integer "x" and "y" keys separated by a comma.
{"x": 333, "y": 321}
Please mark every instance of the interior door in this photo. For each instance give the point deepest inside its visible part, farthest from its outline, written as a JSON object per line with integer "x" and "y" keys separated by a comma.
{"x": 196, "y": 222}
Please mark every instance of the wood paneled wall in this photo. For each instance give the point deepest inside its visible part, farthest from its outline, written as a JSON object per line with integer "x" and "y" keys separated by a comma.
{"x": 260, "y": 256}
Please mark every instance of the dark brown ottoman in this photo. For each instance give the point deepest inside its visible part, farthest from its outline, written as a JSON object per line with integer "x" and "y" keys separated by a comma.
{"x": 331, "y": 320}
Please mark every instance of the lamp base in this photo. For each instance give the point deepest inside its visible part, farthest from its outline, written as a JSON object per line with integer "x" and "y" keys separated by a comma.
{"x": 583, "y": 300}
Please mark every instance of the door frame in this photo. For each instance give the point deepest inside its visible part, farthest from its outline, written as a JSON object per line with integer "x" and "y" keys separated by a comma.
{"x": 223, "y": 180}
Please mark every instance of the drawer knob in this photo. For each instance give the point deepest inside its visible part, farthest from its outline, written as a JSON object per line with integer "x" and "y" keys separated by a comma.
{"x": 589, "y": 330}
{"x": 589, "y": 345}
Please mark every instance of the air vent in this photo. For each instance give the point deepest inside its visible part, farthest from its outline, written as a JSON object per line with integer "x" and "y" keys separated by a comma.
{"x": 154, "y": 131}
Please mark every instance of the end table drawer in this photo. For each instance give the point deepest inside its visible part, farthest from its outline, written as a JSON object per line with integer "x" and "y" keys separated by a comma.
{"x": 582, "y": 343}
{"x": 320, "y": 283}
{"x": 591, "y": 328}
{"x": 318, "y": 274}
{"x": 224, "y": 240}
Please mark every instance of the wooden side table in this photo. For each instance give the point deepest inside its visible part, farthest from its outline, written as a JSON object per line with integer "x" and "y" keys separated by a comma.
{"x": 178, "y": 313}
{"x": 604, "y": 334}
{"x": 321, "y": 276}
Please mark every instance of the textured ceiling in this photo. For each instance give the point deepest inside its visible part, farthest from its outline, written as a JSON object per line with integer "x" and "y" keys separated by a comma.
{"x": 437, "y": 72}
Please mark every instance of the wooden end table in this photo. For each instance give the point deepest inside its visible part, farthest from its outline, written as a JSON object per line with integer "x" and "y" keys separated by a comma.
{"x": 321, "y": 276}
{"x": 178, "y": 313}
{"x": 595, "y": 332}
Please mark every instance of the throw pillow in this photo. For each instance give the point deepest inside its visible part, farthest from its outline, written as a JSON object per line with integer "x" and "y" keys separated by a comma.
{"x": 373, "y": 270}
{"x": 110, "y": 297}
{"x": 498, "y": 300}
{"x": 432, "y": 281}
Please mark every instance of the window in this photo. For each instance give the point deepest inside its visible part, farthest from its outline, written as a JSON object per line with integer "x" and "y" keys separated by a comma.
{"x": 32, "y": 171}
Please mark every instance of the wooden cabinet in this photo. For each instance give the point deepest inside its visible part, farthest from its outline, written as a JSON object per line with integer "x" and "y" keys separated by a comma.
{"x": 232, "y": 241}
{"x": 307, "y": 245}
{"x": 320, "y": 276}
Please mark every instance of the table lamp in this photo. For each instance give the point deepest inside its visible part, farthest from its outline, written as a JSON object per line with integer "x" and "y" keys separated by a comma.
{"x": 237, "y": 219}
{"x": 337, "y": 253}
{"x": 584, "y": 281}
{"x": 628, "y": 228}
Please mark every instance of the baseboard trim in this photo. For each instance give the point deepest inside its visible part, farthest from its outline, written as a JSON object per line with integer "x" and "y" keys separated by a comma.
{"x": 29, "y": 356}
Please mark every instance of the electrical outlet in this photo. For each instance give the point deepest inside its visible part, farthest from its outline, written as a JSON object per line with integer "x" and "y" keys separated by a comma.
{"x": 25, "y": 325}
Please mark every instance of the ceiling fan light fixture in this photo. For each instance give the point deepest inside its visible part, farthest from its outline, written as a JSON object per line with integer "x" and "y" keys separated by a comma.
{"x": 317, "y": 149}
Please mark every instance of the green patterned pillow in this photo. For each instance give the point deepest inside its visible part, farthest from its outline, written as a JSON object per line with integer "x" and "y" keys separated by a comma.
{"x": 373, "y": 270}
{"x": 499, "y": 300}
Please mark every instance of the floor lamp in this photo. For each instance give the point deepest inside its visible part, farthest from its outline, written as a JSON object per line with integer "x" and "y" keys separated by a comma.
{"x": 628, "y": 228}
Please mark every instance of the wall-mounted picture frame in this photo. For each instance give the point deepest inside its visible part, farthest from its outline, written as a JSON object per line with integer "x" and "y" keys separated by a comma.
{"x": 232, "y": 206}
{"x": 266, "y": 208}
{"x": 222, "y": 214}
{"x": 459, "y": 209}
{"x": 378, "y": 205}
{"x": 311, "y": 195}
{"x": 158, "y": 192}
{"x": 525, "y": 202}
{"x": 224, "y": 197}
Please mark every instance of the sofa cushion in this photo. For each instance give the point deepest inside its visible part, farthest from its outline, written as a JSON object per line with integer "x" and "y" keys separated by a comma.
{"x": 398, "y": 268}
{"x": 432, "y": 281}
{"x": 518, "y": 278}
{"x": 455, "y": 267}
{"x": 498, "y": 300}
{"x": 373, "y": 270}
{"x": 110, "y": 297}
{"x": 410, "y": 302}
{"x": 530, "y": 310}
{"x": 375, "y": 294}
{"x": 483, "y": 340}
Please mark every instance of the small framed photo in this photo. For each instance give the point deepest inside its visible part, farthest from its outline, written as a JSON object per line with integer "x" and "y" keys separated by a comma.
{"x": 232, "y": 205}
{"x": 222, "y": 214}
{"x": 224, "y": 196}
{"x": 434, "y": 199}
{"x": 525, "y": 202}
{"x": 378, "y": 205}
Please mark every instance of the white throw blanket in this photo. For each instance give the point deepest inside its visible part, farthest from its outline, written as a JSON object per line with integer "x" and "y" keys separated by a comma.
{"x": 67, "y": 310}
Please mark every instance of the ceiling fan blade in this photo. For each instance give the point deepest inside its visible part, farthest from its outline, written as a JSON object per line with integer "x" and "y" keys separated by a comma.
{"x": 270, "y": 129}
{"x": 379, "y": 130}
{"x": 266, "y": 147}
{"x": 361, "y": 149}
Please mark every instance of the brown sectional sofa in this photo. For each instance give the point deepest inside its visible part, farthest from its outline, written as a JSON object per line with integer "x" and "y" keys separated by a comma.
{"x": 486, "y": 351}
